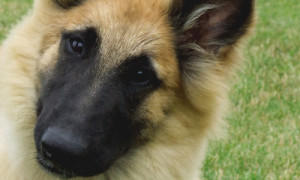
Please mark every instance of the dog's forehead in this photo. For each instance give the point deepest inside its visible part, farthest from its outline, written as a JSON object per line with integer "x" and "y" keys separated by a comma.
{"x": 126, "y": 28}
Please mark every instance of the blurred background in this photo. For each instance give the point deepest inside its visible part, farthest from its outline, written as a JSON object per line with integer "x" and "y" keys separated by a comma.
{"x": 263, "y": 139}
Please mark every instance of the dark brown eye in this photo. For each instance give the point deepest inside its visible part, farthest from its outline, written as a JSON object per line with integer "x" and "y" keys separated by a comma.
{"x": 76, "y": 45}
{"x": 141, "y": 76}
{"x": 139, "y": 72}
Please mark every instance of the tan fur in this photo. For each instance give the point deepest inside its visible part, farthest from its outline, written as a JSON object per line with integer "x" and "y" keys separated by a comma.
{"x": 195, "y": 103}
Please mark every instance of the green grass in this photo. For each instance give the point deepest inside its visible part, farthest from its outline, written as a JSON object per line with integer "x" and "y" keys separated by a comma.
{"x": 264, "y": 122}
{"x": 10, "y": 12}
{"x": 264, "y": 134}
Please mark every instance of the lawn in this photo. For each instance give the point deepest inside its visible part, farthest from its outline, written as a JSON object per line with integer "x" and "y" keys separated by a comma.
{"x": 10, "y": 13}
{"x": 263, "y": 139}
{"x": 264, "y": 124}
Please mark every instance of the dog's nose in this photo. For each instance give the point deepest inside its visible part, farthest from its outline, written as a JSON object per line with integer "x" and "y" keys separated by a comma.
{"x": 61, "y": 147}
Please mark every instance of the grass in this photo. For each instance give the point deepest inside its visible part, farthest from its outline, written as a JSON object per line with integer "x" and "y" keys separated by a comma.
{"x": 264, "y": 134}
{"x": 264, "y": 123}
{"x": 10, "y": 12}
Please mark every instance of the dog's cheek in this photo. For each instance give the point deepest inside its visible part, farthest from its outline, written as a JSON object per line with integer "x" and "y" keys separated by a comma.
{"x": 154, "y": 109}
{"x": 48, "y": 60}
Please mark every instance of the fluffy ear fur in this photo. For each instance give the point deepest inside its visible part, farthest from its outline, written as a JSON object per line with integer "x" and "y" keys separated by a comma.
{"x": 211, "y": 24}
{"x": 208, "y": 32}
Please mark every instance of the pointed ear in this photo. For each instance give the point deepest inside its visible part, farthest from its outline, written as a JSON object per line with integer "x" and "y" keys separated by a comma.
{"x": 67, "y": 3}
{"x": 211, "y": 24}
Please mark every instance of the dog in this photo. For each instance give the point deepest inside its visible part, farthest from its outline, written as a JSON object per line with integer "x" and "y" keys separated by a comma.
{"x": 117, "y": 89}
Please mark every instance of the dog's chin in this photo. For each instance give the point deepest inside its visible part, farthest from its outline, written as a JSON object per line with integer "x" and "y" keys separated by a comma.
{"x": 62, "y": 172}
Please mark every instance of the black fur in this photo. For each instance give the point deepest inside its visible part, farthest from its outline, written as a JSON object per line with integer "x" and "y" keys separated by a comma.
{"x": 95, "y": 115}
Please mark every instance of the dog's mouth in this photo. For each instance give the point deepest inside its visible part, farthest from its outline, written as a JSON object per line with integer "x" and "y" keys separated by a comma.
{"x": 77, "y": 170}
{"x": 56, "y": 170}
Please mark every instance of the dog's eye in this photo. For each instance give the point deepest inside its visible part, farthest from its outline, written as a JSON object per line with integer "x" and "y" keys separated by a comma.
{"x": 76, "y": 45}
{"x": 140, "y": 72}
{"x": 141, "y": 76}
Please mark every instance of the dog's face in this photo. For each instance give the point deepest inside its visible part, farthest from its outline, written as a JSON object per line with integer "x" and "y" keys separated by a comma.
{"x": 109, "y": 75}
{"x": 110, "y": 83}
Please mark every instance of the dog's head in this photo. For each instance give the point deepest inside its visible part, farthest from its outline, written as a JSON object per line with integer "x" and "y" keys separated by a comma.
{"x": 113, "y": 70}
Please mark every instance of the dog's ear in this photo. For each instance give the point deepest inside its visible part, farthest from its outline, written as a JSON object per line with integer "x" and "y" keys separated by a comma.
{"x": 68, "y": 3}
{"x": 211, "y": 24}
{"x": 207, "y": 34}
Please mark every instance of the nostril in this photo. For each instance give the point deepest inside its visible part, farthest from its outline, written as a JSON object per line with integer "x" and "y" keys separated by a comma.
{"x": 61, "y": 147}
{"x": 46, "y": 150}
